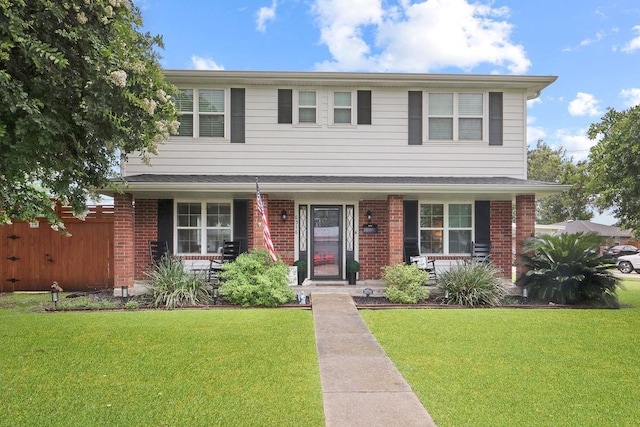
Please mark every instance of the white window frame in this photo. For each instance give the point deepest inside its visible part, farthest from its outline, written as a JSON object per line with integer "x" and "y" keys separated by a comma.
{"x": 196, "y": 112}
{"x": 339, "y": 107}
{"x": 203, "y": 225}
{"x": 297, "y": 106}
{"x": 456, "y": 116}
{"x": 446, "y": 227}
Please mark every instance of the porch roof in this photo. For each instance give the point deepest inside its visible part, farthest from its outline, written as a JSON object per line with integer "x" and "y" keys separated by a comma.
{"x": 362, "y": 187}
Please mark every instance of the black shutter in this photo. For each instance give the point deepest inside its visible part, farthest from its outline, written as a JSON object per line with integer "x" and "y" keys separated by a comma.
{"x": 410, "y": 215}
{"x": 482, "y": 221}
{"x": 241, "y": 223}
{"x": 364, "y": 107}
{"x": 165, "y": 222}
{"x": 285, "y": 106}
{"x": 495, "y": 118}
{"x": 415, "y": 118}
{"x": 237, "y": 115}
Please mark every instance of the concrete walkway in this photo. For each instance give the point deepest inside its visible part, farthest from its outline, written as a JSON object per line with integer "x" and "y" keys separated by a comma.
{"x": 360, "y": 384}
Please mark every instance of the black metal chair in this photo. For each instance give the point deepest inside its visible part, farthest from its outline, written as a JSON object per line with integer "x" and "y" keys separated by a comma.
{"x": 157, "y": 250}
{"x": 230, "y": 251}
{"x": 481, "y": 252}
{"x": 412, "y": 256}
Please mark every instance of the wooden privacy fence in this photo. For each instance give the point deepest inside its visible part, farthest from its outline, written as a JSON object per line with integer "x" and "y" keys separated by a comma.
{"x": 32, "y": 255}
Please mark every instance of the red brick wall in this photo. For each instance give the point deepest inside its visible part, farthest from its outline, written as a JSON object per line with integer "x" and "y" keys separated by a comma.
{"x": 396, "y": 229}
{"x": 374, "y": 248}
{"x": 146, "y": 228}
{"x": 525, "y": 224}
{"x": 283, "y": 232}
{"x": 500, "y": 235}
{"x": 123, "y": 248}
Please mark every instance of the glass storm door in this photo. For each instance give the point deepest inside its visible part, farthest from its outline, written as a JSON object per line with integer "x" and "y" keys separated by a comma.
{"x": 326, "y": 242}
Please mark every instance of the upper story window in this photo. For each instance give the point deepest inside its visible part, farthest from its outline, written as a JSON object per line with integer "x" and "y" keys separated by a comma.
{"x": 342, "y": 108}
{"x": 307, "y": 106}
{"x": 455, "y": 116}
{"x": 201, "y": 112}
{"x": 202, "y": 227}
{"x": 446, "y": 228}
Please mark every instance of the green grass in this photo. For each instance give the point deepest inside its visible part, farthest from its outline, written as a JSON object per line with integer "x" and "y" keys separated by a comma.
{"x": 519, "y": 367}
{"x": 155, "y": 368}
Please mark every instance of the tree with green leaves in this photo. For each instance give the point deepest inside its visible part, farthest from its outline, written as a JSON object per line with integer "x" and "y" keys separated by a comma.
{"x": 552, "y": 165}
{"x": 615, "y": 165}
{"x": 80, "y": 86}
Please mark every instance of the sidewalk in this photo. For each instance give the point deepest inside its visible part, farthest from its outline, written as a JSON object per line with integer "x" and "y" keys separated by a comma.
{"x": 360, "y": 384}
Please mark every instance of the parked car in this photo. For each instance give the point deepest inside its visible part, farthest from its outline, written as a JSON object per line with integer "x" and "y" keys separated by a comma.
{"x": 612, "y": 253}
{"x": 628, "y": 263}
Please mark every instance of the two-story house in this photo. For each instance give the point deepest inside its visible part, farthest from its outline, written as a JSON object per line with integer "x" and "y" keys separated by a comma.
{"x": 350, "y": 166}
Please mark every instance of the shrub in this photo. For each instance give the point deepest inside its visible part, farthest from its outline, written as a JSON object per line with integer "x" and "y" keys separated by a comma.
{"x": 132, "y": 305}
{"x": 253, "y": 279}
{"x": 567, "y": 269}
{"x": 471, "y": 284}
{"x": 404, "y": 283}
{"x": 173, "y": 286}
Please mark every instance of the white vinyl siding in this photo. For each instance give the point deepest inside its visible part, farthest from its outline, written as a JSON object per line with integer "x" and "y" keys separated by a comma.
{"x": 202, "y": 227}
{"x": 379, "y": 149}
{"x": 446, "y": 228}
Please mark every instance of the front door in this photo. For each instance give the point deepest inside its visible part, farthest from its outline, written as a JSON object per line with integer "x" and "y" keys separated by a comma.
{"x": 326, "y": 242}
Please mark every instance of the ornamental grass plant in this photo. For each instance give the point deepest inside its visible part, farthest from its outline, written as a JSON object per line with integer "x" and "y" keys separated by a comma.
{"x": 172, "y": 286}
{"x": 472, "y": 284}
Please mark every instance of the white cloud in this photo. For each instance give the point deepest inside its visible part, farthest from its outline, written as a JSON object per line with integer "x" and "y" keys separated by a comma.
{"x": 633, "y": 44}
{"x": 416, "y": 37}
{"x": 200, "y": 63}
{"x": 631, "y": 96}
{"x": 584, "y": 104}
{"x": 266, "y": 14}
{"x": 577, "y": 143}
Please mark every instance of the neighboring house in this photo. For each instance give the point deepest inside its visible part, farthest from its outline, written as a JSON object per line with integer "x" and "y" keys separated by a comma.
{"x": 613, "y": 235}
{"x": 350, "y": 166}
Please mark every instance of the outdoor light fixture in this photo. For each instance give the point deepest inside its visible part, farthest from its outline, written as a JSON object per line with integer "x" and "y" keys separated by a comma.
{"x": 215, "y": 295}
{"x": 369, "y": 216}
{"x": 124, "y": 292}
{"x": 283, "y": 214}
{"x": 525, "y": 293}
{"x": 54, "y": 297}
{"x": 367, "y": 292}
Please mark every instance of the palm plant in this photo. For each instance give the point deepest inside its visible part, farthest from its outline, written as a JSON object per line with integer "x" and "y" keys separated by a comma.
{"x": 567, "y": 269}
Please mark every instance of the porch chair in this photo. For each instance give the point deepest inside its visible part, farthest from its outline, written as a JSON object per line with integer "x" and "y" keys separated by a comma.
{"x": 158, "y": 249}
{"x": 230, "y": 251}
{"x": 412, "y": 256}
{"x": 481, "y": 252}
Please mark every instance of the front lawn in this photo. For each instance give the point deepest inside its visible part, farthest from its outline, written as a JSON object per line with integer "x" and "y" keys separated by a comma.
{"x": 152, "y": 368}
{"x": 510, "y": 367}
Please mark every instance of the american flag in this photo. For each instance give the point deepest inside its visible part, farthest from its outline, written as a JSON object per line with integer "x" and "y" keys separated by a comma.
{"x": 265, "y": 225}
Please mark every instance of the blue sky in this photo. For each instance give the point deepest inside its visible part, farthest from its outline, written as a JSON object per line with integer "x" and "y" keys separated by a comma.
{"x": 593, "y": 46}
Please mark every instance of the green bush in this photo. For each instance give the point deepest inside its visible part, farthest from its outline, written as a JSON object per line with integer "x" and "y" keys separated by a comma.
{"x": 472, "y": 284}
{"x": 172, "y": 286}
{"x": 86, "y": 303}
{"x": 404, "y": 283}
{"x": 253, "y": 279}
{"x": 567, "y": 269}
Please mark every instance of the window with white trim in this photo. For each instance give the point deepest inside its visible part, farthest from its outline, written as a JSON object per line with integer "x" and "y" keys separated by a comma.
{"x": 446, "y": 228}
{"x": 342, "y": 108}
{"x": 455, "y": 116}
{"x": 307, "y": 106}
{"x": 202, "y": 227}
{"x": 201, "y": 112}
